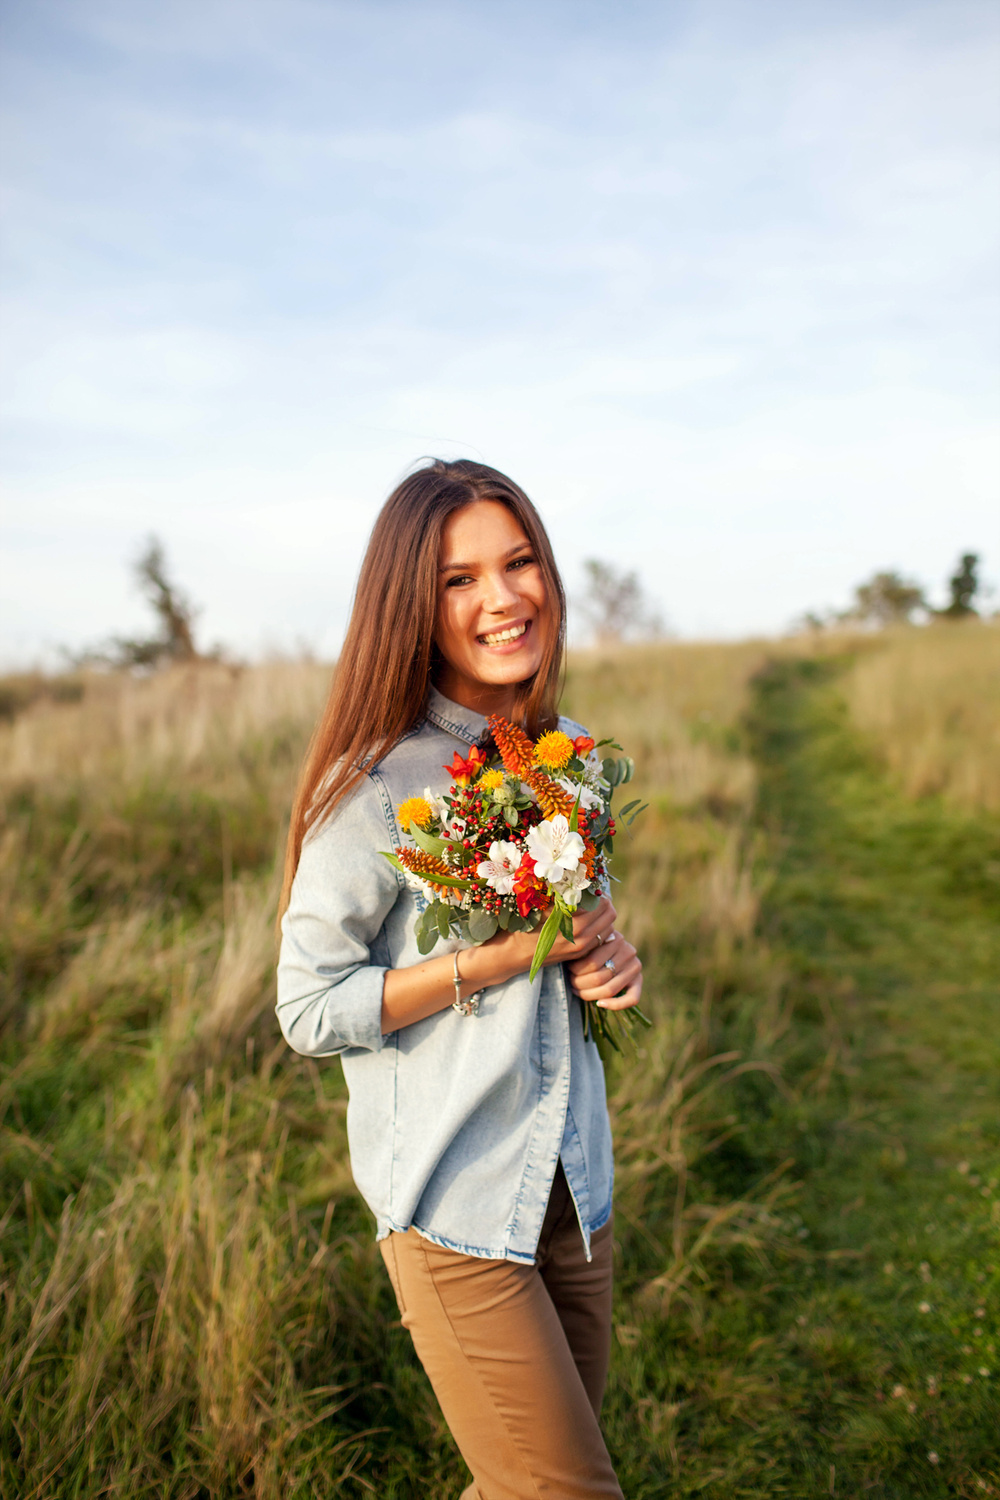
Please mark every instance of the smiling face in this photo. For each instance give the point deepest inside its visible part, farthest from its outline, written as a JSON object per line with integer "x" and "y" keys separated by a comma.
{"x": 492, "y": 619}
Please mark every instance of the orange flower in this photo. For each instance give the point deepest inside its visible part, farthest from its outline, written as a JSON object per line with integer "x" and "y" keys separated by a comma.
{"x": 414, "y": 810}
{"x": 426, "y": 866}
{"x": 552, "y": 799}
{"x": 463, "y": 771}
{"x": 583, "y": 745}
{"x": 554, "y": 749}
{"x": 516, "y": 750}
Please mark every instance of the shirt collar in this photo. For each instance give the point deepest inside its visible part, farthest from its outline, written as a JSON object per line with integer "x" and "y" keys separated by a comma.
{"x": 454, "y": 717}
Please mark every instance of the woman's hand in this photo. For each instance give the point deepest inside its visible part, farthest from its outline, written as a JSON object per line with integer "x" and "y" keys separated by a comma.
{"x": 409, "y": 995}
{"x": 510, "y": 953}
{"x": 610, "y": 975}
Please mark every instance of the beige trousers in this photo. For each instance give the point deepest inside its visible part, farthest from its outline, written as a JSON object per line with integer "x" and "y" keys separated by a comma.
{"x": 517, "y": 1355}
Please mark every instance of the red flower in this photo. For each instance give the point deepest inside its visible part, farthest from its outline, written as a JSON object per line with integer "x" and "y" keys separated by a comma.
{"x": 529, "y": 891}
{"x": 463, "y": 771}
{"x": 583, "y": 745}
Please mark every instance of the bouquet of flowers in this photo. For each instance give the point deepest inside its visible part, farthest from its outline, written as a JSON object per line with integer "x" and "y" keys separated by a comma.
{"x": 518, "y": 842}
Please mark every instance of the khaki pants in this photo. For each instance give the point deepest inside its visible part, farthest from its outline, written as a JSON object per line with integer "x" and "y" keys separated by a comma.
{"x": 517, "y": 1355}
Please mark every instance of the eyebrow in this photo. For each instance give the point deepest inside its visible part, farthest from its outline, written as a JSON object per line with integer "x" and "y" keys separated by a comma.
{"x": 452, "y": 567}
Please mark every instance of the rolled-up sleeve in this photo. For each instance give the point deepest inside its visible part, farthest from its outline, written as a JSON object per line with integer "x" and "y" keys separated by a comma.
{"x": 333, "y": 949}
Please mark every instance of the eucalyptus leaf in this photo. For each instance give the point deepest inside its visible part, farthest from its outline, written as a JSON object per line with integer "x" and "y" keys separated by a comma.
{"x": 510, "y": 816}
{"x": 443, "y": 919}
{"x": 482, "y": 925}
{"x": 589, "y": 900}
{"x": 503, "y": 917}
{"x": 426, "y": 941}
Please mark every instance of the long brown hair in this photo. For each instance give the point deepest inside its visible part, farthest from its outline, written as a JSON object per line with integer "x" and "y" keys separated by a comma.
{"x": 380, "y": 686}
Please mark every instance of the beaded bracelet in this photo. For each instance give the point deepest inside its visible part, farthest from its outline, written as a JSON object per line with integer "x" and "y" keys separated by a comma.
{"x": 469, "y": 1007}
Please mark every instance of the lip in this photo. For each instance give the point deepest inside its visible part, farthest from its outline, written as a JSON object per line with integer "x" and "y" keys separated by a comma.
{"x": 506, "y": 648}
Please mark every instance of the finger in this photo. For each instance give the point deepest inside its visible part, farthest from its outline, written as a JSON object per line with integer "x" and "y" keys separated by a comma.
{"x": 617, "y": 952}
{"x": 631, "y": 997}
{"x": 601, "y": 919}
{"x": 605, "y": 986}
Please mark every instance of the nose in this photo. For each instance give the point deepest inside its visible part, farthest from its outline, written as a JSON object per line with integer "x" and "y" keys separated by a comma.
{"x": 499, "y": 592}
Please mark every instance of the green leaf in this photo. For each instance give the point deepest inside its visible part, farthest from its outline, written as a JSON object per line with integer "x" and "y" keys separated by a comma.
{"x": 482, "y": 925}
{"x": 426, "y": 940}
{"x": 546, "y": 938}
{"x": 623, "y": 812}
{"x": 613, "y": 743}
{"x": 609, "y": 770}
{"x": 574, "y": 817}
{"x": 443, "y": 918}
{"x": 627, "y": 771}
{"x": 510, "y": 816}
{"x": 452, "y": 881}
{"x": 427, "y": 842}
{"x": 638, "y": 810}
{"x": 566, "y": 926}
{"x": 589, "y": 900}
{"x": 392, "y": 860}
{"x": 503, "y": 917}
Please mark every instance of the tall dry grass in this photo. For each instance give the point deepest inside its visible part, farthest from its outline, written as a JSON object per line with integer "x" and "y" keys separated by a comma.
{"x": 929, "y": 700}
{"x": 192, "y": 1304}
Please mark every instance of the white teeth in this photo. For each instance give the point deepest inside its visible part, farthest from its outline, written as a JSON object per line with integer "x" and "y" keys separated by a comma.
{"x": 500, "y": 636}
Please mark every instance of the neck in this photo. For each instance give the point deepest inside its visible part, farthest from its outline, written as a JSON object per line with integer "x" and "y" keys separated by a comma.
{"x": 482, "y": 697}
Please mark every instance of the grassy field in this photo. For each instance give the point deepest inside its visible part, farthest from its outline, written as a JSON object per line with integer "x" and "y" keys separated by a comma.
{"x": 808, "y": 1147}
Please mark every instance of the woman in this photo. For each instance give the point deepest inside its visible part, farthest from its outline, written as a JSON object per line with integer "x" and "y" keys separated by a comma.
{"x": 477, "y": 1120}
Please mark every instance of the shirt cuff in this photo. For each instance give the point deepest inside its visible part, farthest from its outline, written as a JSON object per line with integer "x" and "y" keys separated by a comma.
{"x": 348, "y": 1014}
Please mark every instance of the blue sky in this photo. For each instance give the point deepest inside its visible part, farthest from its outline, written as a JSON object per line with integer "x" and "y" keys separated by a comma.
{"x": 716, "y": 282}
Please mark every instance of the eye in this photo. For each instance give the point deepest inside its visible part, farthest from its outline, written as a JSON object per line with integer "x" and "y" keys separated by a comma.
{"x": 522, "y": 562}
{"x": 458, "y": 580}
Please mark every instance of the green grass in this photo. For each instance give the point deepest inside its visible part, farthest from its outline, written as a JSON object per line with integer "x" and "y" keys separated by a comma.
{"x": 808, "y": 1148}
{"x": 842, "y": 1368}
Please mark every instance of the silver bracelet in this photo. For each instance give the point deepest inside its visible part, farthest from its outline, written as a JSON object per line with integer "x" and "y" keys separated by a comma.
{"x": 469, "y": 1007}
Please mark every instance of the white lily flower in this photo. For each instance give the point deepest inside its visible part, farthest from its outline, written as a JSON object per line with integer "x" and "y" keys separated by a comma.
{"x": 572, "y": 886}
{"x": 593, "y": 772}
{"x": 437, "y": 805}
{"x": 501, "y": 867}
{"x": 554, "y": 848}
{"x": 590, "y": 801}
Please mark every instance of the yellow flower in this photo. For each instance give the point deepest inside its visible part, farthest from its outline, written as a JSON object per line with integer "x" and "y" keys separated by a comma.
{"x": 490, "y": 780}
{"x": 554, "y": 749}
{"x": 414, "y": 810}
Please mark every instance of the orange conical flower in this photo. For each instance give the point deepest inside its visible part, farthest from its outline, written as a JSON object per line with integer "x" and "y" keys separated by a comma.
{"x": 552, "y": 798}
{"x": 425, "y": 865}
{"x": 516, "y": 750}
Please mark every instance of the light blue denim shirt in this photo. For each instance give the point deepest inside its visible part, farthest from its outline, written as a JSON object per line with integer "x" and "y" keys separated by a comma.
{"x": 455, "y": 1123}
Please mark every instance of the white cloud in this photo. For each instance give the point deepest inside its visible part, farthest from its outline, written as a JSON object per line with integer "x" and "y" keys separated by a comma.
{"x": 718, "y": 294}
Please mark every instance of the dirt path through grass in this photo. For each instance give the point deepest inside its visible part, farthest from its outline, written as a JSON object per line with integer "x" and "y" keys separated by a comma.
{"x": 888, "y": 912}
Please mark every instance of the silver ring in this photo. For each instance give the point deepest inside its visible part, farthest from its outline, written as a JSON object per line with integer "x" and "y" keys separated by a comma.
{"x": 601, "y": 939}
{"x": 609, "y": 963}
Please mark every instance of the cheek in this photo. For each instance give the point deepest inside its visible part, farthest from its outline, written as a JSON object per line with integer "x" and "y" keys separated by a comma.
{"x": 447, "y": 622}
